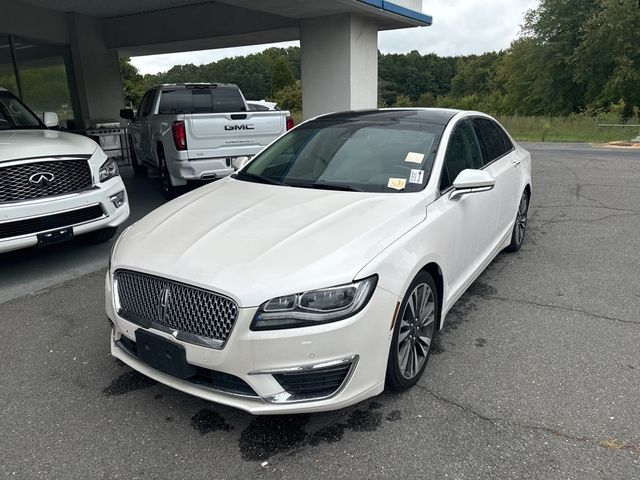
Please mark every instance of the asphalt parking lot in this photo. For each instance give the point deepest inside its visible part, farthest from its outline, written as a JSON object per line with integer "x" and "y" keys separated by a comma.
{"x": 536, "y": 373}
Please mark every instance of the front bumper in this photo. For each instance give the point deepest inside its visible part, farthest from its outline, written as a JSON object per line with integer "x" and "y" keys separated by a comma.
{"x": 100, "y": 194}
{"x": 260, "y": 358}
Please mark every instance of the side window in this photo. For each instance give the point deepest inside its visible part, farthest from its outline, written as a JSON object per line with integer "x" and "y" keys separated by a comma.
{"x": 508, "y": 144}
{"x": 143, "y": 103}
{"x": 463, "y": 152}
{"x": 146, "y": 108}
{"x": 491, "y": 140}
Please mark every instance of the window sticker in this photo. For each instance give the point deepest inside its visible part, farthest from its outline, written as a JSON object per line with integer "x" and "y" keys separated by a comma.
{"x": 397, "y": 183}
{"x": 416, "y": 176}
{"x": 413, "y": 157}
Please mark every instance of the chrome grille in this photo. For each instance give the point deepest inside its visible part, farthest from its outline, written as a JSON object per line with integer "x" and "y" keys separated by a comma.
{"x": 69, "y": 176}
{"x": 196, "y": 315}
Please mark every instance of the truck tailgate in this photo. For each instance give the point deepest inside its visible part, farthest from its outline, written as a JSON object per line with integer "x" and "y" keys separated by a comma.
{"x": 214, "y": 135}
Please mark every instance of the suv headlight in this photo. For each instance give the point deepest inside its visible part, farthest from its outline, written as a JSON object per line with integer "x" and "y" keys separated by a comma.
{"x": 109, "y": 169}
{"x": 315, "y": 307}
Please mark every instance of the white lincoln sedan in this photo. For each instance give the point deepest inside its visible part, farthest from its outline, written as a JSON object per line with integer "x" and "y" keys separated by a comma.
{"x": 321, "y": 271}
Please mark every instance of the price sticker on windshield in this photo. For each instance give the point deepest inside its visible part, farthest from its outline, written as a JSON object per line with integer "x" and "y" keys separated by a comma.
{"x": 397, "y": 183}
{"x": 413, "y": 157}
{"x": 417, "y": 176}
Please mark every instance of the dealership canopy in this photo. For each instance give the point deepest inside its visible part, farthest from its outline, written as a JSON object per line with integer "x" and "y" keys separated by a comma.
{"x": 83, "y": 40}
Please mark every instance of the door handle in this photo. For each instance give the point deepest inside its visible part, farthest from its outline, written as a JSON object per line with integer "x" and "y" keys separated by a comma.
{"x": 515, "y": 162}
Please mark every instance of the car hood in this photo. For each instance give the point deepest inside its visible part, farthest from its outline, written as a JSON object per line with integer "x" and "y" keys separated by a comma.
{"x": 254, "y": 242}
{"x": 18, "y": 144}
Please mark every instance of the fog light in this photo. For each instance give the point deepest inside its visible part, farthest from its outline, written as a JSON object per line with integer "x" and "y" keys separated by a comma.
{"x": 118, "y": 199}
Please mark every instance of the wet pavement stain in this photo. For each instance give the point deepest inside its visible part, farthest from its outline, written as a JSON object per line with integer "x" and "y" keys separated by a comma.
{"x": 374, "y": 405}
{"x": 206, "y": 421}
{"x": 328, "y": 434}
{"x": 364, "y": 421}
{"x": 128, "y": 382}
{"x": 266, "y": 436}
{"x": 394, "y": 416}
{"x": 459, "y": 313}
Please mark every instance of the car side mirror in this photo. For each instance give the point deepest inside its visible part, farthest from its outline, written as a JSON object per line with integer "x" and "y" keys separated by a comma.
{"x": 127, "y": 114}
{"x": 472, "y": 181}
{"x": 240, "y": 162}
{"x": 50, "y": 119}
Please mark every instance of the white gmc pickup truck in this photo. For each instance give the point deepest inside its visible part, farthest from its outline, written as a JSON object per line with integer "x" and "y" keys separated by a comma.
{"x": 197, "y": 132}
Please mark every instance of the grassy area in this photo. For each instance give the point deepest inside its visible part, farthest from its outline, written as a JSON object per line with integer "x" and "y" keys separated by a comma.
{"x": 559, "y": 129}
{"x": 567, "y": 129}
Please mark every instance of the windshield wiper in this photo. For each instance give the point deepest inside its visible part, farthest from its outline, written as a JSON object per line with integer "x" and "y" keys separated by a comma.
{"x": 250, "y": 177}
{"x": 327, "y": 186}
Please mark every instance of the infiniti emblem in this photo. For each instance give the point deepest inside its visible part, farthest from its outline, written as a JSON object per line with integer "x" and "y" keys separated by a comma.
{"x": 42, "y": 179}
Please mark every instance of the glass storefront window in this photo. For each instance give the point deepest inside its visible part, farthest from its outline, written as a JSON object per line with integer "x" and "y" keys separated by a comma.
{"x": 43, "y": 78}
{"x": 7, "y": 72}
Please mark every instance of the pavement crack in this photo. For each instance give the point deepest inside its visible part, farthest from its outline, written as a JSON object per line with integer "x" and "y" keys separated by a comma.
{"x": 608, "y": 443}
{"x": 560, "y": 307}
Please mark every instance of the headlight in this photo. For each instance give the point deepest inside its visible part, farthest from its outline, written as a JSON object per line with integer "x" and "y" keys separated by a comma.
{"x": 109, "y": 169}
{"x": 315, "y": 307}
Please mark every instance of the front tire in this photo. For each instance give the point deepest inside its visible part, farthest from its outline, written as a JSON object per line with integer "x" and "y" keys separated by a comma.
{"x": 520, "y": 227}
{"x": 414, "y": 330}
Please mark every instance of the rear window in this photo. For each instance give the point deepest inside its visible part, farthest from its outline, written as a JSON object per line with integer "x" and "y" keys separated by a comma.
{"x": 201, "y": 100}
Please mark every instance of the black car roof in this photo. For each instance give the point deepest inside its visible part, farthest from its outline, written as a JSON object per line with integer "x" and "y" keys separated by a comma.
{"x": 438, "y": 116}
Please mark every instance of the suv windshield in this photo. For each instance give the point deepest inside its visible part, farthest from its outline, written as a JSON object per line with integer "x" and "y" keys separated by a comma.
{"x": 14, "y": 115}
{"x": 390, "y": 152}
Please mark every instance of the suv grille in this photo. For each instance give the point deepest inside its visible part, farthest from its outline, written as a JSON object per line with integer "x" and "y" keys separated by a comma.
{"x": 67, "y": 176}
{"x": 199, "y": 316}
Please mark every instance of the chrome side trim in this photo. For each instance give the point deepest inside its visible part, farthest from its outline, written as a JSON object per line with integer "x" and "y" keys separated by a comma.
{"x": 286, "y": 397}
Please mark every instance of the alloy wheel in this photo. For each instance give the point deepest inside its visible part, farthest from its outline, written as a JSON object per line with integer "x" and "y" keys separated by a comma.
{"x": 416, "y": 331}
{"x": 521, "y": 219}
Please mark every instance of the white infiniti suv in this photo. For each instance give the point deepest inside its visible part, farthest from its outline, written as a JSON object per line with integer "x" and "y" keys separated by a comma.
{"x": 53, "y": 185}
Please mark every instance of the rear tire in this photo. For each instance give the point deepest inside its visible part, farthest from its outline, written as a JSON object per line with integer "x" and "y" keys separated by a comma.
{"x": 100, "y": 236}
{"x": 170, "y": 192}
{"x": 413, "y": 333}
{"x": 520, "y": 227}
{"x": 138, "y": 168}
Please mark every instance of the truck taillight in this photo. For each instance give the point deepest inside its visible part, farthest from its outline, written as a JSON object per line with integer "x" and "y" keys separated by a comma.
{"x": 289, "y": 123}
{"x": 179, "y": 135}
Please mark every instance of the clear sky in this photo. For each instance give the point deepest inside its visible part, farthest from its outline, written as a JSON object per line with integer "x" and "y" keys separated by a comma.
{"x": 460, "y": 27}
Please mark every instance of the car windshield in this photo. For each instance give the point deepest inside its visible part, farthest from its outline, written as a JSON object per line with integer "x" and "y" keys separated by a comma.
{"x": 14, "y": 115}
{"x": 376, "y": 152}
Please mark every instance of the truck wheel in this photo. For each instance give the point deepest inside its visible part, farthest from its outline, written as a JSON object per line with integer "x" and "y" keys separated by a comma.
{"x": 138, "y": 168}
{"x": 169, "y": 190}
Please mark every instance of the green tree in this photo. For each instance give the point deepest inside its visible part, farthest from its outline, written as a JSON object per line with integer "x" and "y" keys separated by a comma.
{"x": 606, "y": 64}
{"x": 281, "y": 76}
{"x": 289, "y": 97}
{"x": 133, "y": 84}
